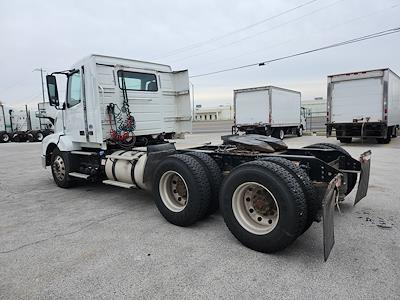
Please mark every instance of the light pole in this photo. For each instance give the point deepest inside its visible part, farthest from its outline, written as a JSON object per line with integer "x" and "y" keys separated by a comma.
{"x": 41, "y": 76}
{"x": 193, "y": 112}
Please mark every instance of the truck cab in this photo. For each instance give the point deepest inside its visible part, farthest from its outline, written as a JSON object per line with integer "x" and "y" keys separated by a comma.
{"x": 113, "y": 101}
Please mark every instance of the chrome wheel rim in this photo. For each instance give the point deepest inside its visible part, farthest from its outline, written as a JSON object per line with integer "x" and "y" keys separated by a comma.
{"x": 59, "y": 168}
{"x": 6, "y": 138}
{"x": 300, "y": 131}
{"x": 281, "y": 134}
{"x": 173, "y": 191}
{"x": 255, "y": 208}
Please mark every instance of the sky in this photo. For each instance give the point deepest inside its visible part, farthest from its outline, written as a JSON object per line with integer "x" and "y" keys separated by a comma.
{"x": 198, "y": 35}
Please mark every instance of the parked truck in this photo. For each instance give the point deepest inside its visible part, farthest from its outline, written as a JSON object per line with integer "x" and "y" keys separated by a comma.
{"x": 5, "y": 123}
{"x": 268, "y": 110}
{"x": 364, "y": 105}
{"x": 114, "y": 128}
{"x": 21, "y": 125}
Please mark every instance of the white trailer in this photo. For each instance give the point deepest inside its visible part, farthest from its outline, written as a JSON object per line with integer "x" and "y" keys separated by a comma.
{"x": 364, "y": 104}
{"x": 268, "y": 110}
{"x": 113, "y": 129}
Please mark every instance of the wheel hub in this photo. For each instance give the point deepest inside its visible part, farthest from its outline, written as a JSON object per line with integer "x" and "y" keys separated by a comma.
{"x": 255, "y": 208}
{"x": 173, "y": 191}
{"x": 59, "y": 168}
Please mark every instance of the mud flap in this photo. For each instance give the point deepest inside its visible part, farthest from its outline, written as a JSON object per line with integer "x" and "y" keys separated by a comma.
{"x": 328, "y": 207}
{"x": 365, "y": 160}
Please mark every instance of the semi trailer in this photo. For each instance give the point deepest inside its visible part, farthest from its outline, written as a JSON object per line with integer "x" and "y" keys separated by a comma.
{"x": 364, "y": 105}
{"x": 268, "y": 110}
{"x": 114, "y": 128}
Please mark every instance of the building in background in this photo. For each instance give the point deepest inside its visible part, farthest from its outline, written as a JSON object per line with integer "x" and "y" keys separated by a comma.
{"x": 315, "y": 113}
{"x": 219, "y": 113}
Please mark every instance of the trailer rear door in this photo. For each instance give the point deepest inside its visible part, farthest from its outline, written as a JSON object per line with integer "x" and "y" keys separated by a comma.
{"x": 356, "y": 99}
{"x": 251, "y": 106}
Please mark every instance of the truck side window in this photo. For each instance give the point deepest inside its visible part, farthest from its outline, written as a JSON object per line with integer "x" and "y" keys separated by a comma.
{"x": 137, "y": 81}
{"x": 74, "y": 89}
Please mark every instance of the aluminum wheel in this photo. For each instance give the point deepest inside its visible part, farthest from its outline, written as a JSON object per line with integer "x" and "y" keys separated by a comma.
{"x": 255, "y": 208}
{"x": 301, "y": 131}
{"x": 59, "y": 168}
{"x": 5, "y": 138}
{"x": 173, "y": 191}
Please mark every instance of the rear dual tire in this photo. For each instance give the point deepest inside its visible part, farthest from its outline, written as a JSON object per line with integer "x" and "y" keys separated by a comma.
{"x": 263, "y": 206}
{"x": 181, "y": 190}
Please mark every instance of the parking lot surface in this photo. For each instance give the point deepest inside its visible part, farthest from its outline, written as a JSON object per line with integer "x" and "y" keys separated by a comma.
{"x": 96, "y": 241}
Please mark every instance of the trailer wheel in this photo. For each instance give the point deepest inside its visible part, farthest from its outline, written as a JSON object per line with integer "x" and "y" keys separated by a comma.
{"x": 278, "y": 133}
{"x": 299, "y": 131}
{"x": 313, "y": 203}
{"x": 4, "y": 137}
{"x": 351, "y": 177}
{"x": 60, "y": 168}
{"x": 38, "y": 136}
{"x": 263, "y": 206}
{"x": 181, "y": 190}
{"x": 214, "y": 176}
{"x": 387, "y": 138}
{"x": 31, "y": 137}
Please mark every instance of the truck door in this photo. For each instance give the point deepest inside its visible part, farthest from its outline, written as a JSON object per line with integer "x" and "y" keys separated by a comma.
{"x": 74, "y": 108}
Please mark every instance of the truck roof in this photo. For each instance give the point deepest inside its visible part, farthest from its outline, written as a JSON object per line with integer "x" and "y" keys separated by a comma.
{"x": 132, "y": 63}
{"x": 363, "y": 72}
{"x": 266, "y": 87}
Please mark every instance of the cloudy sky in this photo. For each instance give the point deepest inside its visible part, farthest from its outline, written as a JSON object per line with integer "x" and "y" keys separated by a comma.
{"x": 199, "y": 35}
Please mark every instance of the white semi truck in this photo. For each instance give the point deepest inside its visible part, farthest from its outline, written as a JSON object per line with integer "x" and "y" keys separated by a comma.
{"x": 113, "y": 128}
{"x": 268, "y": 110}
{"x": 364, "y": 105}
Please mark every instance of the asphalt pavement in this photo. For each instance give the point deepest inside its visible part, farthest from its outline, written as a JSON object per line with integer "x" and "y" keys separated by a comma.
{"x": 97, "y": 241}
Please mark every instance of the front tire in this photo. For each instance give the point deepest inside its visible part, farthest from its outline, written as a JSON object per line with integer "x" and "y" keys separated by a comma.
{"x": 4, "y": 137}
{"x": 60, "y": 168}
{"x": 263, "y": 206}
{"x": 181, "y": 190}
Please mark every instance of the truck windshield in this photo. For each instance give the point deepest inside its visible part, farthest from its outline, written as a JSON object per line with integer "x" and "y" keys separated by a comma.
{"x": 138, "y": 81}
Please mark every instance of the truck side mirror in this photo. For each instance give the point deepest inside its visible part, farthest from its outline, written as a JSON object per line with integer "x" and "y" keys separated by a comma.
{"x": 52, "y": 90}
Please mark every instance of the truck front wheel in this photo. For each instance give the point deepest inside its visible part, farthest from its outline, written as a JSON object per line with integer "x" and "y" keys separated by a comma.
{"x": 4, "y": 137}
{"x": 181, "y": 190}
{"x": 60, "y": 168}
{"x": 263, "y": 206}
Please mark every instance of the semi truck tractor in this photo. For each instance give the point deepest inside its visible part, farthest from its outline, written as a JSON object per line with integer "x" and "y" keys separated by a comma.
{"x": 268, "y": 110}
{"x": 21, "y": 125}
{"x": 115, "y": 128}
{"x": 5, "y": 123}
{"x": 364, "y": 105}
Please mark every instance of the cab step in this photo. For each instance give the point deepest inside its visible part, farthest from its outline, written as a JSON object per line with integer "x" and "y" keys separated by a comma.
{"x": 83, "y": 153}
{"x": 120, "y": 184}
{"x": 79, "y": 175}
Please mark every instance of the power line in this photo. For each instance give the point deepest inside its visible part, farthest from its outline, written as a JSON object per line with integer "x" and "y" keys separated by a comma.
{"x": 263, "y": 63}
{"x": 219, "y": 37}
{"x": 261, "y": 32}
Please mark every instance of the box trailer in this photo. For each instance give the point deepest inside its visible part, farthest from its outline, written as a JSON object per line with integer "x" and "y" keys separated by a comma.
{"x": 268, "y": 110}
{"x": 364, "y": 104}
{"x": 114, "y": 126}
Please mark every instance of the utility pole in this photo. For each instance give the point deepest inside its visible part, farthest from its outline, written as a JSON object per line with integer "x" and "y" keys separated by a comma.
{"x": 193, "y": 112}
{"x": 41, "y": 76}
